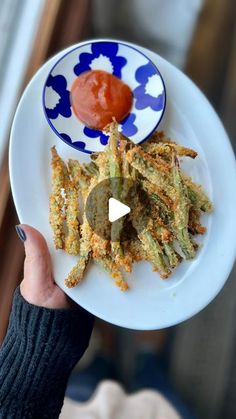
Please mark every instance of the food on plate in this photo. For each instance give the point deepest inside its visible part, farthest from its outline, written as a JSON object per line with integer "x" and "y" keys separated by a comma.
{"x": 97, "y": 96}
{"x": 174, "y": 211}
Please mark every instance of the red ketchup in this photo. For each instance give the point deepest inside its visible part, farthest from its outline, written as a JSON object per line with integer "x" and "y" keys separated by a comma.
{"x": 97, "y": 97}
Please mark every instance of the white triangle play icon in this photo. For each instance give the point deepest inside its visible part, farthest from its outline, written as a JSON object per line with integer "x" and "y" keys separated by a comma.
{"x": 116, "y": 209}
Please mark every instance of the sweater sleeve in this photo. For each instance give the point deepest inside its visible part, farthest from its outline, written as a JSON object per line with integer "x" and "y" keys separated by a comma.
{"x": 39, "y": 351}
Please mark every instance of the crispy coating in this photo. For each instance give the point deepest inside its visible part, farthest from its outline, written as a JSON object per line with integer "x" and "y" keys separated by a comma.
{"x": 194, "y": 225}
{"x": 100, "y": 243}
{"x": 181, "y": 212}
{"x": 196, "y": 195}
{"x": 72, "y": 239}
{"x": 153, "y": 189}
{"x": 155, "y": 173}
{"x": 91, "y": 169}
{"x": 111, "y": 267}
{"x": 77, "y": 273}
{"x": 154, "y": 253}
{"x": 157, "y": 164}
{"x": 79, "y": 178}
{"x": 136, "y": 250}
{"x": 163, "y": 149}
{"x": 115, "y": 171}
{"x": 150, "y": 232}
{"x": 56, "y": 199}
{"x": 157, "y": 137}
{"x": 149, "y": 242}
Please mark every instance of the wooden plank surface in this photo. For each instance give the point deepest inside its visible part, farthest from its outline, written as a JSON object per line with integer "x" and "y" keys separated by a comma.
{"x": 62, "y": 23}
{"x": 43, "y": 37}
{"x": 11, "y": 268}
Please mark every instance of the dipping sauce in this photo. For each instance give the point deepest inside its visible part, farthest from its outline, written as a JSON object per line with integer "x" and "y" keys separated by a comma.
{"x": 98, "y": 96}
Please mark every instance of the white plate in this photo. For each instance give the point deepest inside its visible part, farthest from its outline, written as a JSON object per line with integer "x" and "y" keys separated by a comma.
{"x": 151, "y": 303}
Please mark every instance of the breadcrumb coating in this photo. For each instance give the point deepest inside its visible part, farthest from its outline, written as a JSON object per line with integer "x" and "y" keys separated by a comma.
{"x": 150, "y": 232}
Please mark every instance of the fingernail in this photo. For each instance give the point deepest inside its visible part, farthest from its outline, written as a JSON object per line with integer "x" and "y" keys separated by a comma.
{"x": 20, "y": 233}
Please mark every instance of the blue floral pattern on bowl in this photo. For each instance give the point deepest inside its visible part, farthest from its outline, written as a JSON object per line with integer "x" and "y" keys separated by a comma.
{"x": 63, "y": 107}
{"x": 125, "y": 62}
{"x": 106, "y": 49}
{"x": 144, "y": 99}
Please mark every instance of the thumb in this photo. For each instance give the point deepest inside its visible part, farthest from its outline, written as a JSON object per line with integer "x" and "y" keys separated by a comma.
{"x": 37, "y": 266}
{"x": 38, "y": 286}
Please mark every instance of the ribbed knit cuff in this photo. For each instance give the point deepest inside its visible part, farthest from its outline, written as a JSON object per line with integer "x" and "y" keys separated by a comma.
{"x": 39, "y": 351}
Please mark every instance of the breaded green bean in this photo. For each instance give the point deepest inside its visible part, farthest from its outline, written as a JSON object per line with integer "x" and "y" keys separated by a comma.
{"x": 166, "y": 238}
{"x": 173, "y": 257}
{"x": 91, "y": 169}
{"x": 150, "y": 232}
{"x": 163, "y": 149}
{"x": 154, "y": 253}
{"x": 181, "y": 212}
{"x": 100, "y": 242}
{"x": 157, "y": 137}
{"x": 114, "y": 159}
{"x": 76, "y": 274}
{"x": 150, "y": 243}
{"x": 196, "y": 195}
{"x": 79, "y": 178}
{"x": 111, "y": 267}
{"x": 156, "y": 172}
{"x": 157, "y": 164}
{"x": 194, "y": 225}
{"x": 163, "y": 203}
{"x": 136, "y": 250}
{"x": 56, "y": 200}
{"x": 72, "y": 238}
{"x": 116, "y": 189}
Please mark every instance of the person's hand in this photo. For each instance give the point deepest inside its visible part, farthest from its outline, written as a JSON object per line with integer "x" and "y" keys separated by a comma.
{"x": 38, "y": 286}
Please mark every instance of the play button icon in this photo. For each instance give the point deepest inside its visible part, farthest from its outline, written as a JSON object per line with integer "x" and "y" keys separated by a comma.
{"x": 116, "y": 209}
{"x": 117, "y": 204}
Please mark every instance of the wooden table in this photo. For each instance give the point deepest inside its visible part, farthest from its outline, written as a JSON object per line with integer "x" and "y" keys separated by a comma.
{"x": 62, "y": 24}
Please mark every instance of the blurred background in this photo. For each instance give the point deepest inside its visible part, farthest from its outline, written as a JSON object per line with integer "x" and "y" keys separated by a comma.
{"x": 199, "y": 37}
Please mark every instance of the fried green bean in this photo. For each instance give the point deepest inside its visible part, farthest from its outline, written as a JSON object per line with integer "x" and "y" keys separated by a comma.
{"x": 154, "y": 230}
{"x": 91, "y": 169}
{"x": 166, "y": 239}
{"x": 161, "y": 202}
{"x": 194, "y": 225}
{"x": 72, "y": 238}
{"x": 149, "y": 242}
{"x": 111, "y": 267}
{"x": 154, "y": 253}
{"x": 76, "y": 274}
{"x": 196, "y": 195}
{"x": 116, "y": 190}
{"x": 80, "y": 179}
{"x": 173, "y": 257}
{"x": 156, "y": 171}
{"x": 181, "y": 212}
{"x": 101, "y": 234}
{"x": 157, "y": 137}
{"x": 56, "y": 199}
{"x": 163, "y": 149}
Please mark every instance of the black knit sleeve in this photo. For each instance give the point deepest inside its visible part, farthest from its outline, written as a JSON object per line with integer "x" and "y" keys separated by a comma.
{"x": 40, "y": 349}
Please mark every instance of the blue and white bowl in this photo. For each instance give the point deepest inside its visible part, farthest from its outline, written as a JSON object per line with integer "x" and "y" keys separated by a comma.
{"x": 124, "y": 62}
